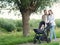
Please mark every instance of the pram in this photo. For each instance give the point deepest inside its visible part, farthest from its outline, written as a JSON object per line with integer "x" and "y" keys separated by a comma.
{"x": 42, "y": 35}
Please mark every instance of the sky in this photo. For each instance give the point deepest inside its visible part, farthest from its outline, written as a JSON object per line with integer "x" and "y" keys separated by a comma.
{"x": 55, "y": 8}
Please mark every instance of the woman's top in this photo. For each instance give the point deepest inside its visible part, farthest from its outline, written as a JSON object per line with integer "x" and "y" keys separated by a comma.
{"x": 51, "y": 19}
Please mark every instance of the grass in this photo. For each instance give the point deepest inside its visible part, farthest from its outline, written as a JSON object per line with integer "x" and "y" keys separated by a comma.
{"x": 57, "y": 32}
{"x": 14, "y": 38}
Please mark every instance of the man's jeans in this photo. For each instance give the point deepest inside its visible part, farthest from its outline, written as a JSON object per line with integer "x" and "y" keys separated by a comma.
{"x": 52, "y": 32}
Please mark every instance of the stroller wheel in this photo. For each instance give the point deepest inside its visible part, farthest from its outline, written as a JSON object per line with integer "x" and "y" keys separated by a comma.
{"x": 39, "y": 40}
{"x": 34, "y": 40}
{"x": 48, "y": 40}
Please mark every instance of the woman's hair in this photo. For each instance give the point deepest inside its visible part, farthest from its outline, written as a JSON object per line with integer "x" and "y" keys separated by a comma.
{"x": 51, "y": 11}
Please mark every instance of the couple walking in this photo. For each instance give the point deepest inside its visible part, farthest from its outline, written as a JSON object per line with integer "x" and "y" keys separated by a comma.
{"x": 48, "y": 17}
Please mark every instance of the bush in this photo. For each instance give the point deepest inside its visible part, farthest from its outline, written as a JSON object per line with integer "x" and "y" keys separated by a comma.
{"x": 7, "y": 25}
{"x": 2, "y": 30}
{"x": 19, "y": 29}
{"x": 11, "y": 25}
{"x": 18, "y": 24}
{"x": 58, "y": 22}
{"x": 34, "y": 23}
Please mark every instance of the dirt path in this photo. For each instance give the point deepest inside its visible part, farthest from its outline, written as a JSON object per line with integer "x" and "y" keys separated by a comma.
{"x": 29, "y": 44}
{"x": 57, "y": 40}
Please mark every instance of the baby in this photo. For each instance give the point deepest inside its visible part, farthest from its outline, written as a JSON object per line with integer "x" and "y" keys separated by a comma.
{"x": 42, "y": 25}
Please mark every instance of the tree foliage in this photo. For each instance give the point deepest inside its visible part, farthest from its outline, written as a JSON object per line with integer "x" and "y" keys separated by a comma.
{"x": 32, "y": 5}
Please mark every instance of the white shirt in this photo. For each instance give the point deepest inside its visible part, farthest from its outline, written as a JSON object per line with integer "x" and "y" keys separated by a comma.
{"x": 51, "y": 19}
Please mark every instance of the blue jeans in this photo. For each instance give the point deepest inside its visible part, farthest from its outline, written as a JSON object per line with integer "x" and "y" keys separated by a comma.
{"x": 52, "y": 32}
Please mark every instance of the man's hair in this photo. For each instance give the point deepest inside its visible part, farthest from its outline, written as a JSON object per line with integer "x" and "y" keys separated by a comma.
{"x": 44, "y": 10}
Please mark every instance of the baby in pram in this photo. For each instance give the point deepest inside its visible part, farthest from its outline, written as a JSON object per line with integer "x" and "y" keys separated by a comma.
{"x": 42, "y": 25}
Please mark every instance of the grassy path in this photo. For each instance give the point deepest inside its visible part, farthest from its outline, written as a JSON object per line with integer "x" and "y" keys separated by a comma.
{"x": 57, "y": 40}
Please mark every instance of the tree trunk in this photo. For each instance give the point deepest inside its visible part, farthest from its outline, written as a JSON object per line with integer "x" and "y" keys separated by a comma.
{"x": 25, "y": 20}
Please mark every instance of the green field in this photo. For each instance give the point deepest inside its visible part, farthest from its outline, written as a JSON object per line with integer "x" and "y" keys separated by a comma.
{"x": 14, "y": 38}
{"x": 11, "y": 32}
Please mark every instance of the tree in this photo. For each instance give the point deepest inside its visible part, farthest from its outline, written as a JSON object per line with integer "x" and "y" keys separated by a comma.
{"x": 27, "y": 7}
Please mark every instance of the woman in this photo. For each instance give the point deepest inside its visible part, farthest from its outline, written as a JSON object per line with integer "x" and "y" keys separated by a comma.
{"x": 51, "y": 20}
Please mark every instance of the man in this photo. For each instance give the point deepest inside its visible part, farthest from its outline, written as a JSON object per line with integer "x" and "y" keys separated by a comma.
{"x": 44, "y": 20}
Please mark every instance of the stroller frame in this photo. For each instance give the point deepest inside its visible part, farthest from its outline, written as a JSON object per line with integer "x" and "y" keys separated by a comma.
{"x": 41, "y": 35}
